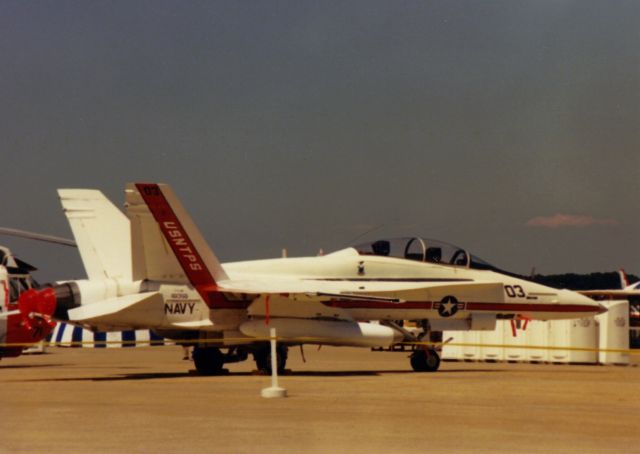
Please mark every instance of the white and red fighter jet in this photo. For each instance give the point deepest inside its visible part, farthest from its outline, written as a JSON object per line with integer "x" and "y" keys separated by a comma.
{"x": 153, "y": 269}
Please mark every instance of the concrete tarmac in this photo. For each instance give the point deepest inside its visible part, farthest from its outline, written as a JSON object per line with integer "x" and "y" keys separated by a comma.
{"x": 341, "y": 400}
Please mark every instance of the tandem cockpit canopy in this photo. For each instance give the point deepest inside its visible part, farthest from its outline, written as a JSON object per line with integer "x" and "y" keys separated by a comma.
{"x": 423, "y": 250}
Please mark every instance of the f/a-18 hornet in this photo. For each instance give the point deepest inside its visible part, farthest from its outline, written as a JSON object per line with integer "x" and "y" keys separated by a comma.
{"x": 153, "y": 269}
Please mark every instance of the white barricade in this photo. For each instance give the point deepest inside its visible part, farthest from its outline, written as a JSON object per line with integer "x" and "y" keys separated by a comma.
{"x": 513, "y": 353}
{"x": 537, "y": 334}
{"x": 452, "y": 352}
{"x": 583, "y": 334}
{"x": 559, "y": 336}
{"x": 614, "y": 332}
{"x": 578, "y": 340}
{"x": 491, "y": 339}
{"x": 578, "y": 334}
{"x": 471, "y": 352}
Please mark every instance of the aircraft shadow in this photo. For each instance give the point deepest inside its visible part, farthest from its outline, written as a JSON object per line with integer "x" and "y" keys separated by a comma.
{"x": 326, "y": 373}
{"x": 190, "y": 374}
{"x": 380, "y": 372}
{"x": 28, "y": 366}
{"x": 161, "y": 375}
{"x": 121, "y": 377}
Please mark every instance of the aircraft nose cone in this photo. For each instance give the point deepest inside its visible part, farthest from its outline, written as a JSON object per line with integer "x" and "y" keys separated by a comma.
{"x": 585, "y": 303}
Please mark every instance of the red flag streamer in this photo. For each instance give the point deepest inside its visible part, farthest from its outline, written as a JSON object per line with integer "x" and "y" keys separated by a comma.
{"x": 266, "y": 309}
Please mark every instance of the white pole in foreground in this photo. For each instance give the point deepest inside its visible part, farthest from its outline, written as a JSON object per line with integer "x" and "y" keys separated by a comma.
{"x": 274, "y": 390}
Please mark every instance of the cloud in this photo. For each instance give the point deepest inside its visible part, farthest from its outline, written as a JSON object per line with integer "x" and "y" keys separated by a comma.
{"x": 567, "y": 220}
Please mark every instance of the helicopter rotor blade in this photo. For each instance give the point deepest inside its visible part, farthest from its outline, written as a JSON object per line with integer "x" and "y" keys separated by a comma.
{"x": 37, "y": 236}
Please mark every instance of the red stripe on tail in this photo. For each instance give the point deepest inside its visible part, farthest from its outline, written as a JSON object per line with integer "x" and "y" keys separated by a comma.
{"x": 173, "y": 231}
{"x": 183, "y": 248}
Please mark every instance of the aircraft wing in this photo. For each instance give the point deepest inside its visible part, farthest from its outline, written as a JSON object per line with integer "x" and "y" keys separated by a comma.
{"x": 391, "y": 291}
{"x": 312, "y": 298}
{"x": 306, "y": 298}
{"x": 312, "y": 287}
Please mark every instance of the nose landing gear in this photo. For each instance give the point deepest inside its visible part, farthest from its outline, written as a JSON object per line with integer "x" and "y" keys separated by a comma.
{"x": 425, "y": 360}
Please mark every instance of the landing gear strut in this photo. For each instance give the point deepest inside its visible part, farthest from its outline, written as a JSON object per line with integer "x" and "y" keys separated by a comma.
{"x": 425, "y": 360}
{"x": 262, "y": 356}
{"x": 208, "y": 360}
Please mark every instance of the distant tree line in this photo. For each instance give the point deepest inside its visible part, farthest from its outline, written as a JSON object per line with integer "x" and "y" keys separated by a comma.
{"x": 593, "y": 281}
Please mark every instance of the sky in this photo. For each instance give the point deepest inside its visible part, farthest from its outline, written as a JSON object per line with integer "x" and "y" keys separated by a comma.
{"x": 510, "y": 128}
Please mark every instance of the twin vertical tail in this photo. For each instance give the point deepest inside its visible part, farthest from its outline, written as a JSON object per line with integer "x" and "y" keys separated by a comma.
{"x": 158, "y": 241}
{"x": 101, "y": 232}
{"x": 166, "y": 244}
{"x": 624, "y": 282}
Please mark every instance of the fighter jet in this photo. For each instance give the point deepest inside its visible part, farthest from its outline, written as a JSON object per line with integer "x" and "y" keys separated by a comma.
{"x": 153, "y": 269}
{"x": 630, "y": 292}
{"x": 625, "y": 291}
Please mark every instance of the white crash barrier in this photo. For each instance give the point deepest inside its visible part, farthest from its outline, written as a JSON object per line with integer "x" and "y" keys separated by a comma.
{"x": 472, "y": 351}
{"x": 559, "y": 335}
{"x": 575, "y": 334}
{"x": 493, "y": 340}
{"x": 451, "y": 351}
{"x": 582, "y": 337}
{"x": 537, "y": 334}
{"x": 513, "y": 353}
{"x": 614, "y": 332}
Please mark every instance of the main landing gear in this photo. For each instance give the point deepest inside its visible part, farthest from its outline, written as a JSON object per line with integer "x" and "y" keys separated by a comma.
{"x": 210, "y": 360}
{"x": 262, "y": 356}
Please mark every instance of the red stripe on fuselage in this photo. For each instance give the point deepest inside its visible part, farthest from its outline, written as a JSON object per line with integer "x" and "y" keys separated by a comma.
{"x": 476, "y": 306}
{"x": 527, "y": 307}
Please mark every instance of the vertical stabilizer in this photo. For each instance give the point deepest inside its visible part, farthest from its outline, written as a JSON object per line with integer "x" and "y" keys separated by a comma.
{"x": 166, "y": 243}
{"x": 101, "y": 231}
{"x": 624, "y": 282}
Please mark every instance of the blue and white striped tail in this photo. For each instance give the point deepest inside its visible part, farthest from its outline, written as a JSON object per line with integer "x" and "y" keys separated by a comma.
{"x": 66, "y": 335}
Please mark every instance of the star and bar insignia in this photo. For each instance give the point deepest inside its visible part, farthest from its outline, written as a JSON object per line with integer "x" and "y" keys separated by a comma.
{"x": 448, "y": 306}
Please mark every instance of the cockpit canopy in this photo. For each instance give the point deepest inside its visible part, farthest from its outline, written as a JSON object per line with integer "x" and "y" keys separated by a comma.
{"x": 423, "y": 250}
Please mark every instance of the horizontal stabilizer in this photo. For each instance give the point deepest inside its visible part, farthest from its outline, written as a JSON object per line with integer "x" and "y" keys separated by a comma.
{"x": 142, "y": 310}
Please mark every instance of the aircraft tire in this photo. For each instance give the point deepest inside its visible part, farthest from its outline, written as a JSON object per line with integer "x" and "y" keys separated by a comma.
{"x": 262, "y": 356}
{"x": 208, "y": 360}
{"x": 425, "y": 361}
